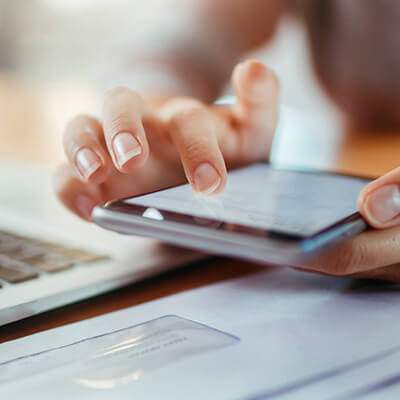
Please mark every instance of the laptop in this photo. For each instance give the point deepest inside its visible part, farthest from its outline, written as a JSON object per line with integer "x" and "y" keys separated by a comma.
{"x": 50, "y": 258}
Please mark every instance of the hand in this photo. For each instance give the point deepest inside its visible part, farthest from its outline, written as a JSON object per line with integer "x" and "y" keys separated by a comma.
{"x": 138, "y": 148}
{"x": 376, "y": 252}
{"x": 160, "y": 146}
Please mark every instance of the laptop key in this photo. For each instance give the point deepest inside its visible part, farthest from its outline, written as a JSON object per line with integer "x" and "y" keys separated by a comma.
{"x": 46, "y": 256}
{"x": 12, "y": 271}
{"x": 8, "y": 243}
{"x": 78, "y": 255}
{"x": 24, "y": 253}
{"x": 51, "y": 262}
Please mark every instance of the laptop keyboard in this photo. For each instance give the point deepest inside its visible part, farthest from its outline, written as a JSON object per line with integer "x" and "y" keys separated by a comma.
{"x": 23, "y": 258}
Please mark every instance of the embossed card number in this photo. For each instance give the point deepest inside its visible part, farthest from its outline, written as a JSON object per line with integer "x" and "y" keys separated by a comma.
{"x": 120, "y": 357}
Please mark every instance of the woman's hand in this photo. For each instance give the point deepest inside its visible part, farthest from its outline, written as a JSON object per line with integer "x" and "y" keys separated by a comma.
{"x": 138, "y": 148}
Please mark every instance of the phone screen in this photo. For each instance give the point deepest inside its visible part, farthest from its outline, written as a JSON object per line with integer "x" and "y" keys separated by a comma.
{"x": 259, "y": 196}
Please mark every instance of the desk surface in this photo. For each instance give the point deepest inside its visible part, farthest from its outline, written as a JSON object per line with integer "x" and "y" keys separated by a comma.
{"x": 31, "y": 120}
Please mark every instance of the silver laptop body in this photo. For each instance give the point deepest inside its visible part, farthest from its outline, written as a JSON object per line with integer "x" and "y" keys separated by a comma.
{"x": 50, "y": 258}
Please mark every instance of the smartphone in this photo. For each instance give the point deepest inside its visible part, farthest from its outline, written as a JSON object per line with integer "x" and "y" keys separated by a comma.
{"x": 265, "y": 214}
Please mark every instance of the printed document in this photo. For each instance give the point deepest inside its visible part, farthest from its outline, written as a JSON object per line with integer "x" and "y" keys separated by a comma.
{"x": 278, "y": 334}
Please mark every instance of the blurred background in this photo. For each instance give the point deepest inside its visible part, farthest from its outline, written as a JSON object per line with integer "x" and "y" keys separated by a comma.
{"x": 55, "y": 55}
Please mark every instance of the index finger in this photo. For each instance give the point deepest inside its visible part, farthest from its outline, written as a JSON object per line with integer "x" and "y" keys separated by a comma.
{"x": 123, "y": 129}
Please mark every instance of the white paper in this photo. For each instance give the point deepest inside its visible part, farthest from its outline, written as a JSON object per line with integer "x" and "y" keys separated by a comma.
{"x": 294, "y": 330}
{"x": 377, "y": 377}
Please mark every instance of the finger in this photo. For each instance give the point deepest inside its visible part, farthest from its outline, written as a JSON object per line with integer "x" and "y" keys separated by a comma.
{"x": 77, "y": 196}
{"x": 366, "y": 252}
{"x": 123, "y": 129}
{"x": 192, "y": 127}
{"x": 257, "y": 108}
{"x": 85, "y": 149}
{"x": 391, "y": 273}
{"x": 379, "y": 202}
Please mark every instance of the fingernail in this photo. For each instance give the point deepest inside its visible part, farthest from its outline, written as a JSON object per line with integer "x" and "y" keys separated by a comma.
{"x": 84, "y": 205}
{"x": 126, "y": 147}
{"x": 87, "y": 162}
{"x": 383, "y": 204}
{"x": 206, "y": 179}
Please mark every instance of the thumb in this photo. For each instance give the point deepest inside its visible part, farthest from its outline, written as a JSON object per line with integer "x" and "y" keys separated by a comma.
{"x": 379, "y": 202}
{"x": 257, "y": 92}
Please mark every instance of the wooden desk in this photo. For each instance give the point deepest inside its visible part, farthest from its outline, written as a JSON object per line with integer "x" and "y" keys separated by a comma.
{"x": 31, "y": 122}
{"x": 186, "y": 278}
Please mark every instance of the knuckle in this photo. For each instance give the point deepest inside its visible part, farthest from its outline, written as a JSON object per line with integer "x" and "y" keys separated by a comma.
{"x": 120, "y": 122}
{"x": 348, "y": 260}
{"x": 196, "y": 150}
